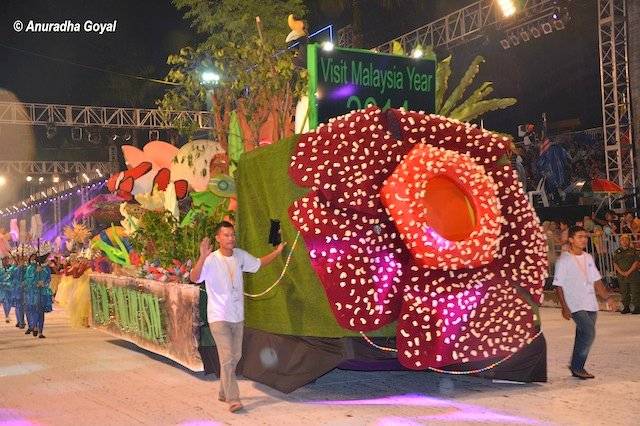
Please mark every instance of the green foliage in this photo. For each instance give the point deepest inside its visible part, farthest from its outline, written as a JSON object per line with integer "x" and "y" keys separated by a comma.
{"x": 231, "y": 20}
{"x": 476, "y": 104}
{"x": 257, "y": 79}
{"x": 161, "y": 238}
{"x": 443, "y": 72}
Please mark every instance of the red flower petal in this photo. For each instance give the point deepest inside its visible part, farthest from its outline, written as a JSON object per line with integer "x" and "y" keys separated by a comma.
{"x": 481, "y": 321}
{"x": 484, "y": 147}
{"x": 347, "y": 158}
{"x": 357, "y": 258}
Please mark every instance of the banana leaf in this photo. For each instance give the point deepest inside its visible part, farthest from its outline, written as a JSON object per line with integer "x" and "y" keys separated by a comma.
{"x": 465, "y": 82}
{"x": 479, "y": 94}
{"x": 234, "y": 143}
{"x": 483, "y": 107}
{"x": 443, "y": 72}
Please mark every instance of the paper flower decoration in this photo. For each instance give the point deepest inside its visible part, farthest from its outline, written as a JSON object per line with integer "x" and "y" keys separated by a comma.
{"x": 77, "y": 232}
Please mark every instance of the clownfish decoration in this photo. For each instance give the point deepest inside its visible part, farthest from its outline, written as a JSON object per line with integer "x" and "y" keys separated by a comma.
{"x": 123, "y": 183}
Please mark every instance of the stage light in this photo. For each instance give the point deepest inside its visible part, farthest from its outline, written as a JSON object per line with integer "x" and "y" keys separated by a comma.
{"x": 24, "y": 204}
{"x": 327, "y": 46}
{"x": 43, "y": 193}
{"x": 70, "y": 184}
{"x": 508, "y": 7}
{"x": 55, "y": 179}
{"x": 3, "y": 181}
{"x": 546, "y": 28}
{"x": 76, "y": 134}
{"x": 525, "y": 36}
{"x": 84, "y": 175}
{"x": 505, "y": 44}
{"x": 514, "y": 40}
{"x": 29, "y": 178}
{"x": 51, "y": 130}
{"x": 417, "y": 53}
{"x": 41, "y": 179}
{"x": 535, "y": 32}
{"x": 99, "y": 172}
{"x": 210, "y": 78}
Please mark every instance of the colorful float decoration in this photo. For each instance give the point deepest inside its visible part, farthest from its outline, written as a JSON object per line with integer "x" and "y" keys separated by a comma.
{"x": 380, "y": 243}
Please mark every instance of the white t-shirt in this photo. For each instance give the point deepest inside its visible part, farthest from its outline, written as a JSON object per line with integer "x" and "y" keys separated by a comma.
{"x": 579, "y": 290}
{"x": 222, "y": 276}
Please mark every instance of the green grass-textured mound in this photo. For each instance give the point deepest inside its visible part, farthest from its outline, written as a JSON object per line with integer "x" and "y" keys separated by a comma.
{"x": 298, "y": 305}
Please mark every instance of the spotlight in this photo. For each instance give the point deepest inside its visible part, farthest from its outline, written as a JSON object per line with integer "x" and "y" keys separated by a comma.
{"x": 84, "y": 175}
{"x": 70, "y": 184}
{"x": 114, "y": 137}
{"x": 94, "y": 137}
{"x": 210, "y": 78}
{"x": 56, "y": 179}
{"x": 43, "y": 193}
{"x": 51, "y": 130}
{"x": 417, "y": 53}
{"x": 3, "y": 181}
{"x": 76, "y": 134}
{"x": 327, "y": 46}
{"x": 508, "y": 7}
{"x": 24, "y": 204}
{"x": 41, "y": 179}
{"x": 99, "y": 172}
{"x": 546, "y": 28}
{"x": 127, "y": 137}
{"x": 29, "y": 178}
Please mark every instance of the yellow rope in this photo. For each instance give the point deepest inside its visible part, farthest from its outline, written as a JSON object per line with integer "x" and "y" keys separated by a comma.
{"x": 286, "y": 265}
{"x": 437, "y": 370}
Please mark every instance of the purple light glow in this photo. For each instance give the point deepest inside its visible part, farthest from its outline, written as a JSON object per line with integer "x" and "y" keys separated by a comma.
{"x": 343, "y": 92}
{"x": 454, "y": 411}
{"x": 441, "y": 242}
{"x": 12, "y": 418}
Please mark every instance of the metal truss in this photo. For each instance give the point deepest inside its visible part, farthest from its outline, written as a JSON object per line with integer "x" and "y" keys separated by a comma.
{"x": 616, "y": 108}
{"x": 461, "y": 26}
{"x": 345, "y": 36}
{"x": 57, "y": 167}
{"x": 88, "y": 116}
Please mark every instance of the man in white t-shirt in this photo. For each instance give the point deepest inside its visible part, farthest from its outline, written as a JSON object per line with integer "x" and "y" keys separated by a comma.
{"x": 578, "y": 281}
{"x": 221, "y": 271}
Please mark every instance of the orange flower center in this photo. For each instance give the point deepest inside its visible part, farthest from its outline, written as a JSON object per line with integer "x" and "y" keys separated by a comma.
{"x": 448, "y": 208}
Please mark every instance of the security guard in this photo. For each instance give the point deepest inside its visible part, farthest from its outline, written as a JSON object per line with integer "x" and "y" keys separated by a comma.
{"x": 626, "y": 261}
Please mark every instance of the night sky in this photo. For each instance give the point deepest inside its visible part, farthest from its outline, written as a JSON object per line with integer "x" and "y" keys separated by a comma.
{"x": 556, "y": 73}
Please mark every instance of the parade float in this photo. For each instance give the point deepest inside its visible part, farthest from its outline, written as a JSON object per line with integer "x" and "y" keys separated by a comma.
{"x": 411, "y": 244}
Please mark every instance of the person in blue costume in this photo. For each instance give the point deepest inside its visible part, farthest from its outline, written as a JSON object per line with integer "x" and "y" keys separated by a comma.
{"x": 45, "y": 295}
{"x": 5, "y": 288}
{"x": 17, "y": 290}
{"x": 31, "y": 295}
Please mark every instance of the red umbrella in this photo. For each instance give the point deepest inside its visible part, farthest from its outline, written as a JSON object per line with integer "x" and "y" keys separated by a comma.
{"x": 604, "y": 185}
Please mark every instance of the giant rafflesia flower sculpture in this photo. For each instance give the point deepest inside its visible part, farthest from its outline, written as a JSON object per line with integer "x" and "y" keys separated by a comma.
{"x": 418, "y": 219}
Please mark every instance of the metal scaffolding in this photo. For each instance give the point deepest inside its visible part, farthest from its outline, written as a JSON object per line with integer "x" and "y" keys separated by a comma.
{"x": 110, "y": 117}
{"x": 57, "y": 167}
{"x": 614, "y": 84}
{"x": 461, "y": 26}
